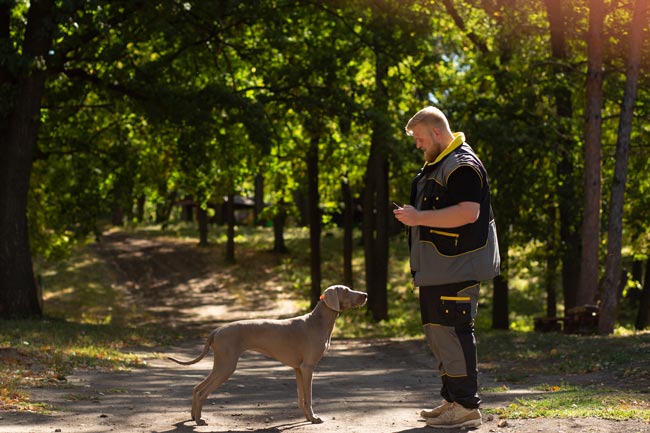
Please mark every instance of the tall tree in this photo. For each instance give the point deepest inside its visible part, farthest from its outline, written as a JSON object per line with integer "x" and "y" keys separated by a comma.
{"x": 589, "y": 270}
{"x": 643, "y": 314}
{"x": 23, "y": 73}
{"x": 565, "y": 146}
{"x": 313, "y": 210}
{"x": 609, "y": 286}
{"x": 375, "y": 198}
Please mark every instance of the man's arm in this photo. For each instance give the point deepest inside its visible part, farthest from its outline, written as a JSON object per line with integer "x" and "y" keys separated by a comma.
{"x": 465, "y": 189}
{"x": 457, "y": 215}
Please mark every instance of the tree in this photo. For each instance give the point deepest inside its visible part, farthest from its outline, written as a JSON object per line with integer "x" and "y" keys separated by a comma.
{"x": 23, "y": 73}
{"x": 609, "y": 286}
{"x": 589, "y": 271}
{"x": 643, "y": 315}
{"x": 565, "y": 145}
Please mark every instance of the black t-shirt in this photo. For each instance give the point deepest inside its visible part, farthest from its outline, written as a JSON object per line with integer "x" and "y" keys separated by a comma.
{"x": 464, "y": 184}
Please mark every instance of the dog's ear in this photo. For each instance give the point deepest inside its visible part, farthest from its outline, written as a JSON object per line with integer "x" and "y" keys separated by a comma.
{"x": 331, "y": 298}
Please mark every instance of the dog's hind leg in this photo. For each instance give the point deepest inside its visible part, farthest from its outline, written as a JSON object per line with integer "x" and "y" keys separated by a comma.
{"x": 221, "y": 371}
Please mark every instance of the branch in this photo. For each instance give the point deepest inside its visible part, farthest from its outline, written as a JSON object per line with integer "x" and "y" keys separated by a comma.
{"x": 115, "y": 87}
{"x": 461, "y": 25}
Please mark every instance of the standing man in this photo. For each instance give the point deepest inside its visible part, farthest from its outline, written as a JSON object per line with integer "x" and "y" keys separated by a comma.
{"x": 453, "y": 244}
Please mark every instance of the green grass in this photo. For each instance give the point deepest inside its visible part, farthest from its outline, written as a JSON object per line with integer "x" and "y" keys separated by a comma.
{"x": 44, "y": 352}
{"x": 619, "y": 388}
{"x": 624, "y": 355}
{"x": 574, "y": 402}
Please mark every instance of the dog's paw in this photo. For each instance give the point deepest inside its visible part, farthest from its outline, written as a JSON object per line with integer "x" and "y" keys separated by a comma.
{"x": 316, "y": 419}
{"x": 201, "y": 422}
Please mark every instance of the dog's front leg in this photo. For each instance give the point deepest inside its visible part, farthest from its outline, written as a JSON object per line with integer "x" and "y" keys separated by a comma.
{"x": 301, "y": 394}
{"x": 306, "y": 374}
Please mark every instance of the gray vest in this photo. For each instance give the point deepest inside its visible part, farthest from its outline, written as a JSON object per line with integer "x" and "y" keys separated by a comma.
{"x": 466, "y": 253}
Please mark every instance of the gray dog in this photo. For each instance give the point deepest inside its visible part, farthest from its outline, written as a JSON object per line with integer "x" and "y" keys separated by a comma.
{"x": 299, "y": 342}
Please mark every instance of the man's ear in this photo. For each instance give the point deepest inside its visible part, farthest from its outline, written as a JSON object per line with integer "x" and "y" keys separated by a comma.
{"x": 331, "y": 298}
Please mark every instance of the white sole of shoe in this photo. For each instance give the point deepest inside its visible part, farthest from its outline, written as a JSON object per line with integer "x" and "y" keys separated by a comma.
{"x": 467, "y": 424}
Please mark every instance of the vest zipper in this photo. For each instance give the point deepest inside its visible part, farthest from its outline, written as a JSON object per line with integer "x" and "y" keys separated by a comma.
{"x": 448, "y": 234}
{"x": 454, "y": 298}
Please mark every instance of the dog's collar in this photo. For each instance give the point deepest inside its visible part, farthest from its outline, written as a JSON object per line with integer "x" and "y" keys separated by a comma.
{"x": 322, "y": 298}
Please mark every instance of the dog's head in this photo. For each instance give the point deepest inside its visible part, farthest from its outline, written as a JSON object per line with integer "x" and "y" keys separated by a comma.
{"x": 340, "y": 298}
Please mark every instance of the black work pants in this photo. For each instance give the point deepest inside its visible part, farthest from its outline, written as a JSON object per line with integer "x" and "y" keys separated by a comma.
{"x": 448, "y": 313}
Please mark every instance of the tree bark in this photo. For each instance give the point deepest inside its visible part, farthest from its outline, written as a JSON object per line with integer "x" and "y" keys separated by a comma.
{"x": 348, "y": 231}
{"x": 279, "y": 246}
{"x": 202, "y": 217}
{"x": 18, "y": 133}
{"x": 551, "y": 277}
{"x": 588, "y": 283}
{"x": 566, "y": 189}
{"x": 500, "y": 305}
{"x": 230, "y": 218}
{"x": 376, "y": 204}
{"x": 609, "y": 283}
{"x": 139, "y": 213}
{"x": 313, "y": 213}
{"x": 259, "y": 197}
{"x": 643, "y": 315}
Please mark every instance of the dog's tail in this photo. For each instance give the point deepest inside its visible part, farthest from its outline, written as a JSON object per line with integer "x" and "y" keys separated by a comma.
{"x": 206, "y": 349}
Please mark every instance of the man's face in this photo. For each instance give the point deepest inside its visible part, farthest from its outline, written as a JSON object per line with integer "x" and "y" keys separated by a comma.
{"x": 425, "y": 141}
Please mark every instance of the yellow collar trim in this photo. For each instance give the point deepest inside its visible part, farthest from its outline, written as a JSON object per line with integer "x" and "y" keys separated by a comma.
{"x": 459, "y": 138}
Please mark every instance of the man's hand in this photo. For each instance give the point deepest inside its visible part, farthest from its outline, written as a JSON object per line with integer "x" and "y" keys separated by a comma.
{"x": 407, "y": 215}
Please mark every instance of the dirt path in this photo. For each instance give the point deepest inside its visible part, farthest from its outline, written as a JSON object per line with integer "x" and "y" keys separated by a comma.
{"x": 360, "y": 386}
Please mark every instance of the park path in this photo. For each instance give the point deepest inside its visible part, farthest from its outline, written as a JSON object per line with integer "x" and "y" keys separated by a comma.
{"x": 360, "y": 386}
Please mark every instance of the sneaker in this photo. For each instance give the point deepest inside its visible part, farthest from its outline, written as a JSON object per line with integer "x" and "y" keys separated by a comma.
{"x": 432, "y": 413}
{"x": 456, "y": 416}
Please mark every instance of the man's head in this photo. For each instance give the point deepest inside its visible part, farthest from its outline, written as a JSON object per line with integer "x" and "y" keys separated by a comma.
{"x": 431, "y": 131}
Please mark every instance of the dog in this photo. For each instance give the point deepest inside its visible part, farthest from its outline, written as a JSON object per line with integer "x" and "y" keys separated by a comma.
{"x": 299, "y": 342}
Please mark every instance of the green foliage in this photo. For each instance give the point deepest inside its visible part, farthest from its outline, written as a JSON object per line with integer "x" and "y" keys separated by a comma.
{"x": 172, "y": 100}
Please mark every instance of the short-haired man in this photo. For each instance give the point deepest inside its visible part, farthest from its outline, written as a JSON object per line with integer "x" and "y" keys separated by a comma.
{"x": 453, "y": 247}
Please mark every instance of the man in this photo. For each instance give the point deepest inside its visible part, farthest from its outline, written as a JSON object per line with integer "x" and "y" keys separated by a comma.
{"x": 453, "y": 244}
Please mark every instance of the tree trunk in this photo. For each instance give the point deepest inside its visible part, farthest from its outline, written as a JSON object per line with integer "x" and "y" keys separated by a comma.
{"x": 314, "y": 216}
{"x": 348, "y": 232}
{"x": 637, "y": 270}
{"x": 610, "y": 281}
{"x": 551, "y": 277}
{"x": 139, "y": 213}
{"x": 117, "y": 218}
{"x": 164, "y": 209}
{"x": 279, "y": 220}
{"x": 18, "y": 134}
{"x": 202, "y": 217}
{"x": 567, "y": 192}
{"x": 500, "y": 307}
{"x": 376, "y": 204}
{"x": 230, "y": 218}
{"x": 259, "y": 197}
{"x": 643, "y": 315}
{"x": 588, "y": 283}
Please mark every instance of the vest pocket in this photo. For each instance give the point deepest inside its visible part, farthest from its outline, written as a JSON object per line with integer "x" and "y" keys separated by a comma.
{"x": 445, "y": 242}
